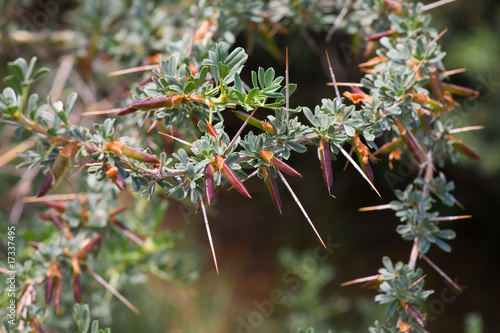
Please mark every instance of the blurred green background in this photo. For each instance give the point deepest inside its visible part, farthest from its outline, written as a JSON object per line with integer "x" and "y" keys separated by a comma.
{"x": 274, "y": 278}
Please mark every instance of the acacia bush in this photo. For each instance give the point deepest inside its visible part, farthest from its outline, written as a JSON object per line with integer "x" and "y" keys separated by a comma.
{"x": 167, "y": 138}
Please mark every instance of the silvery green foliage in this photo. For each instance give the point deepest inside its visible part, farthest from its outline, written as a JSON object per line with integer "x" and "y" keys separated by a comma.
{"x": 403, "y": 107}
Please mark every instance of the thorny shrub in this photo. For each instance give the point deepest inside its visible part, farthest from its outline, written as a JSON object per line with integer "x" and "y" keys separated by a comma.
{"x": 168, "y": 138}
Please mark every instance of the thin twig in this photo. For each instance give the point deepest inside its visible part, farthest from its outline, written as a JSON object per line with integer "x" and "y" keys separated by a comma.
{"x": 287, "y": 91}
{"x": 451, "y": 218}
{"x": 372, "y": 208}
{"x": 410, "y": 78}
{"x": 443, "y": 274}
{"x": 358, "y": 168}
{"x": 111, "y": 289}
{"x": 436, "y": 4}
{"x": 300, "y": 205}
{"x": 54, "y": 197}
{"x": 134, "y": 70}
{"x": 337, "y": 22}
{"x": 61, "y": 78}
{"x": 176, "y": 138}
{"x": 208, "y": 232}
{"x": 99, "y": 112}
{"x": 239, "y": 131}
{"x": 466, "y": 129}
{"x": 194, "y": 28}
{"x": 360, "y": 280}
{"x": 333, "y": 78}
{"x": 345, "y": 84}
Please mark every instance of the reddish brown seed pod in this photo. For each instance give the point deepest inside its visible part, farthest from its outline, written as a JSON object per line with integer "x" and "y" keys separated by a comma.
{"x": 168, "y": 102}
{"x": 87, "y": 246}
{"x": 77, "y": 288}
{"x": 272, "y": 187}
{"x": 209, "y": 183}
{"x": 269, "y": 157}
{"x": 326, "y": 163}
{"x": 139, "y": 155}
{"x": 211, "y": 129}
{"x": 231, "y": 176}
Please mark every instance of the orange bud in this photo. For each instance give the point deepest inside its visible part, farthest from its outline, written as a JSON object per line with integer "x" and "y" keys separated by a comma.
{"x": 358, "y": 97}
{"x": 115, "y": 147}
{"x": 420, "y": 98}
{"x": 111, "y": 172}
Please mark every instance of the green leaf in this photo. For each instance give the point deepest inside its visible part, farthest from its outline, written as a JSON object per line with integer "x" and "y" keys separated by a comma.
{"x": 238, "y": 84}
{"x": 18, "y": 133}
{"x": 269, "y": 77}
{"x": 95, "y": 327}
{"x": 349, "y": 130}
{"x": 299, "y": 148}
{"x": 81, "y": 314}
{"x": 443, "y": 245}
{"x": 70, "y": 102}
{"x": 29, "y": 71}
{"x": 33, "y": 105}
{"x": 446, "y": 234}
{"x": 261, "y": 77}
{"x": 251, "y": 94}
{"x": 41, "y": 72}
{"x": 190, "y": 86}
{"x": 18, "y": 69}
{"x": 11, "y": 82}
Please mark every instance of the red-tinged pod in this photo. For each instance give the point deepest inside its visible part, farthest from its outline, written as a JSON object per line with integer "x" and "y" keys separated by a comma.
{"x": 462, "y": 148}
{"x": 413, "y": 146}
{"x": 367, "y": 169}
{"x": 211, "y": 129}
{"x": 326, "y": 163}
{"x": 49, "y": 288}
{"x": 57, "y": 221}
{"x": 46, "y": 184}
{"x": 378, "y": 35}
{"x": 77, "y": 288}
{"x": 411, "y": 142}
{"x": 37, "y": 326}
{"x": 57, "y": 296}
{"x": 88, "y": 245}
{"x": 285, "y": 168}
{"x": 413, "y": 313}
{"x": 169, "y": 102}
{"x": 33, "y": 245}
{"x": 389, "y": 146}
{"x": 58, "y": 169}
{"x": 459, "y": 90}
{"x": 436, "y": 86}
{"x": 120, "y": 182}
{"x": 209, "y": 183}
{"x": 231, "y": 176}
{"x": 139, "y": 155}
{"x": 272, "y": 187}
{"x": 76, "y": 265}
{"x": 394, "y": 5}
{"x": 269, "y": 157}
{"x": 61, "y": 207}
{"x": 263, "y": 125}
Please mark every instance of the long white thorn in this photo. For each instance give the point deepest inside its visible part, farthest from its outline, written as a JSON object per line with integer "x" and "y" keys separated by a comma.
{"x": 209, "y": 233}
{"x": 287, "y": 91}
{"x": 333, "y": 79}
{"x": 358, "y": 168}
{"x": 300, "y": 206}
